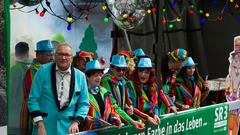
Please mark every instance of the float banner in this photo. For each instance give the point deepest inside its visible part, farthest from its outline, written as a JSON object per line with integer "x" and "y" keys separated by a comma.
{"x": 211, "y": 120}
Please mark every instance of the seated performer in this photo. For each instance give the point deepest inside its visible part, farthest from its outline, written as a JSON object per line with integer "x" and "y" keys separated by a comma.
{"x": 144, "y": 91}
{"x": 101, "y": 110}
{"x": 114, "y": 81}
{"x": 190, "y": 89}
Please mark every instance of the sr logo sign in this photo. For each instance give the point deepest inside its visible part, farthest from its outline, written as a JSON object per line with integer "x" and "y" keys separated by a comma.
{"x": 221, "y": 118}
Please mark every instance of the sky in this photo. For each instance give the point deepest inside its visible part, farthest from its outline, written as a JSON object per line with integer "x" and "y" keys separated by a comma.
{"x": 30, "y": 27}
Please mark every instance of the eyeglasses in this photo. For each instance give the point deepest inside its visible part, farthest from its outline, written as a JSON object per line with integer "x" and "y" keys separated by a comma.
{"x": 63, "y": 54}
{"x": 118, "y": 69}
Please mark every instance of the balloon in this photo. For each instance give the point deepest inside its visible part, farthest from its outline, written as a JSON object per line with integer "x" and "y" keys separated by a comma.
{"x": 127, "y": 14}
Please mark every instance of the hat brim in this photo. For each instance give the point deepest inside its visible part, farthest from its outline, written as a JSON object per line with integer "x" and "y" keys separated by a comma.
{"x": 120, "y": 65}
{"x": 191, "y": 65}
{"x": 144, "y": 67}
{"x": 45, "y": 50}
{"x": 94, "y": 69}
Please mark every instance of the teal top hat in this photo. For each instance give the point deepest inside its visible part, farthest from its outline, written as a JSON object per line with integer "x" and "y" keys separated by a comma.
{"x": 118, "y": 61}
{"x": 93, "y": 65}
{"x": 44, "y": 45}
{"x": 139, "y": 52}
{"x": 145, "y": 63}
{"x": 189, "y": 62}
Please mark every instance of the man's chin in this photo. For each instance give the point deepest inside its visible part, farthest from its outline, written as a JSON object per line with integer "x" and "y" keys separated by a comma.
{"x": 63, "y": 67}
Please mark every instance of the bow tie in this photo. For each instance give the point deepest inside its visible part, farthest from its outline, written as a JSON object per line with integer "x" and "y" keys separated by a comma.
{"x": 94, "y": 90}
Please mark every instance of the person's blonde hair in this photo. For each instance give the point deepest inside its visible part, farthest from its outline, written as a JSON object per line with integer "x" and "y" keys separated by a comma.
{"x": 237, "y": 40}
{"x": 131, "y": 64}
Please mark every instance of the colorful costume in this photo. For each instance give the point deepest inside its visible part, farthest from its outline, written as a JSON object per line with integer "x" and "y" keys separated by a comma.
{"x": 95, "y": 109}
{"x": 25, "y": 117}
{"x": 189, "y": 96}
{"x": 42, "y": 46}
{"x": 146, "y": 104}
{"x": 119, "y": 95}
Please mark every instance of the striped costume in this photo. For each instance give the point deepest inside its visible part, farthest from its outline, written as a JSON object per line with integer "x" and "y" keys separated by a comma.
{"x": 189, "y": 96}
{"x": 167, "y": 87}
{"x": 25, "y": 117}
{"x": 146, "y": 104}
{"x": 118, "y": 95}
{"x": 94, "y": 110}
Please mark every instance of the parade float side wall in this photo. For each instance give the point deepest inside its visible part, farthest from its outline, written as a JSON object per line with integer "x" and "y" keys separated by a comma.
{"x": 209, "y": 120}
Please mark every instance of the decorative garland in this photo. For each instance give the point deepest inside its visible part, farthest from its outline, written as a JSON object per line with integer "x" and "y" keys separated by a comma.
{"x": 45, "y": 6}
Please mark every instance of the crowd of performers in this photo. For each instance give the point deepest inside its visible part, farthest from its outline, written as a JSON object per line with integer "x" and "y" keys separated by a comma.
{"x": 125, "y": 93}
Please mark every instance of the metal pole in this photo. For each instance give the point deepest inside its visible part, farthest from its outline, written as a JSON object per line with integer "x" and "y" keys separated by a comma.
{"x": 127, "y": 40}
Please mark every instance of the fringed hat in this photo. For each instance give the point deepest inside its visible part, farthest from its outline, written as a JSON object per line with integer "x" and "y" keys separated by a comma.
{"x": 178, "y": 54}
{"x": 87, "y": 55}
{"x": 126, "y": 54}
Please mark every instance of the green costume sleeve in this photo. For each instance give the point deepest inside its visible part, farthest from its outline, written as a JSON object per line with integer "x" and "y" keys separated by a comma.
{"x": 179, "y": 99}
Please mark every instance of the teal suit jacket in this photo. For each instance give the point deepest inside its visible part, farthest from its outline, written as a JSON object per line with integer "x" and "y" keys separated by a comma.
{"x": 43, "y": 100}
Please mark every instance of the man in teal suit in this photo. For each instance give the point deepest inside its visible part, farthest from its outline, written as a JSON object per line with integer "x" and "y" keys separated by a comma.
{"x": 58, "y": 100}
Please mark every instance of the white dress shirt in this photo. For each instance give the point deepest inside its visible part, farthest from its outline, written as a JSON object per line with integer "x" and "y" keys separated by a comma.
{"x": 63, "y": 79}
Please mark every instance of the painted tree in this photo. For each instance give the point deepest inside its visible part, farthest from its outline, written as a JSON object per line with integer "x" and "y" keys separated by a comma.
{"x": 88, "y": 43}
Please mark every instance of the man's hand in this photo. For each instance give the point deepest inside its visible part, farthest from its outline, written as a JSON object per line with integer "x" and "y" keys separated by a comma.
{"x": 73, "y": 128}
{"x": 151, "y": 121}
{"x": 129, "y": 110}
{"x": 41, "y": 128}
{"x": 138, "y": 125}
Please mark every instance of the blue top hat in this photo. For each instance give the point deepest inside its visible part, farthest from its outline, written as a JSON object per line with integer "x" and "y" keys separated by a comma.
{"x": 189, "y": 62}
{"x": 145, "y": 63}
{"x": 118, "y": 61}
{"x": 139, "y": 52}
{"x": 44, "y": 45}
{"x": 93, "y": 65}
